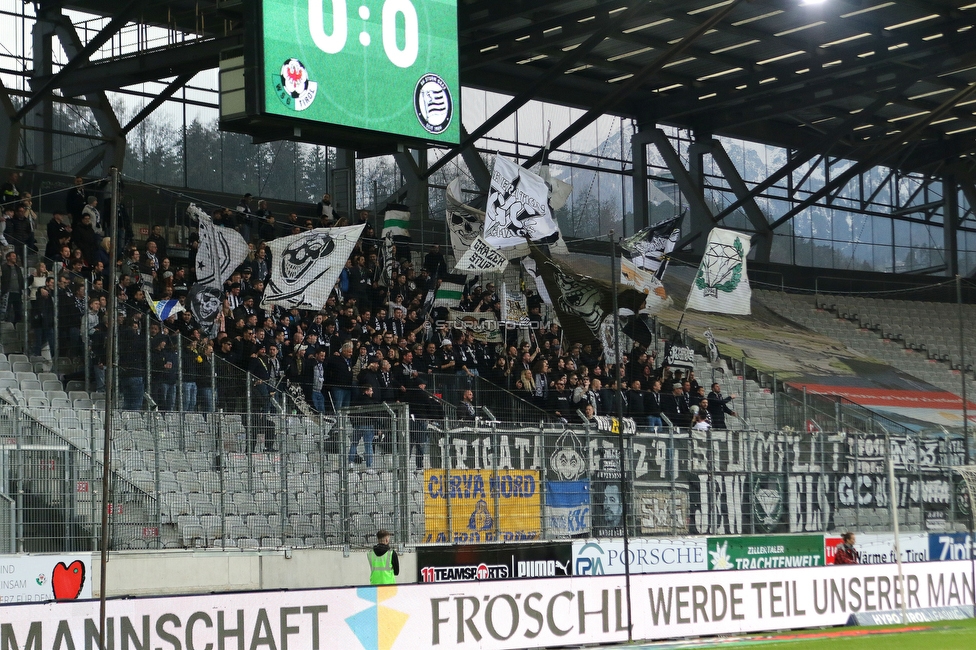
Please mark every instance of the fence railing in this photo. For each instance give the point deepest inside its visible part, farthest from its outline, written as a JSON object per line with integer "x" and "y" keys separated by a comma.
{"x": 195, "y": 480}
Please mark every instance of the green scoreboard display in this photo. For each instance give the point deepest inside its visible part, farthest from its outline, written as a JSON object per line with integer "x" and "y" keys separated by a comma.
{"x": 385, "y": 66}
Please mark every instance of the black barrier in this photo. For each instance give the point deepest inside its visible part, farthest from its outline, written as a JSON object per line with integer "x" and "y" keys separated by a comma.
{"x": 494, "y": 562}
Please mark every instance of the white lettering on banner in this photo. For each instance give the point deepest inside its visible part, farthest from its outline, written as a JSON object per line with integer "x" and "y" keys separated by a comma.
{"x": 534, "y": 613}
{"x": 679, "y": 604}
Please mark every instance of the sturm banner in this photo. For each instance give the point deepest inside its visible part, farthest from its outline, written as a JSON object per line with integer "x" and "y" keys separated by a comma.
{"x": 481, "y": 258}
{"x": 492, "y": 615}
{"x": 740, "y": 482}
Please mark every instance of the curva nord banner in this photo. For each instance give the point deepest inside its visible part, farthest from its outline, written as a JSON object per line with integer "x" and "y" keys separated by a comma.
{"x": 496, "y": 615}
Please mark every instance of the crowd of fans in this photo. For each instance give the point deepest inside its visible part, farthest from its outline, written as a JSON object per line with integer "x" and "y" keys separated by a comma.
{"x": 372, "y": 341}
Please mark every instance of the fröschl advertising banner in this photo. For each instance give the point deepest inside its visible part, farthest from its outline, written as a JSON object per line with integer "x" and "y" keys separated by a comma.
{"x": 765, "y": 552}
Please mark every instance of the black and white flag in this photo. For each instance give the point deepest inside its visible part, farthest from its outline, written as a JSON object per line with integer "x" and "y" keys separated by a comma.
{"x": 518, "y": 208}
{"x": 221, "y": 250}
{"x": 648, "y": 249}
{"x": 464, "y": 222}
{"x": 584, "y": 304}
{"x": 305, "y": 266}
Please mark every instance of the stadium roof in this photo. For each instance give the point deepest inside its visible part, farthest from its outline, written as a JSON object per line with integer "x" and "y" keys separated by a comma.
{"x": 885, "y": 82}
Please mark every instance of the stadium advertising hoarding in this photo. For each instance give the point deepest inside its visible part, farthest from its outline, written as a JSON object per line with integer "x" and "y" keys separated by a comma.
{"x": 663, "y": 555}
{"x": 497, "y": 615}
{"x": 36, "y": 578}
{"x": 765, "y": 552}
{"x": 494, "y": 562}
{"x": 879, "y": 548}
{"x": 387, "y": 66}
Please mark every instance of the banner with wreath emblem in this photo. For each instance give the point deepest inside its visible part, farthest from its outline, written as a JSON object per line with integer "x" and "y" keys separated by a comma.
{"x": 722, "y": 284}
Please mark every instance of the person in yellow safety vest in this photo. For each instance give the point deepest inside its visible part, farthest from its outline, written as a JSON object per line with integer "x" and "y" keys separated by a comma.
{"x": 384, "y": 564}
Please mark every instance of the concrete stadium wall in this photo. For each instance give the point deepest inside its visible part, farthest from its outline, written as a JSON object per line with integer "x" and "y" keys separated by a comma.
{"x": 154, "y": 573}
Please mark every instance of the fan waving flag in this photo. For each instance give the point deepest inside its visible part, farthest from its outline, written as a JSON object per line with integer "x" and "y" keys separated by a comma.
{"x": 306, "y": 266}
{"x": 166, "y": 308}
{"x": 518, "y": 207}
{"x": 722, "y": 284}
{"x": 221, "y": 250}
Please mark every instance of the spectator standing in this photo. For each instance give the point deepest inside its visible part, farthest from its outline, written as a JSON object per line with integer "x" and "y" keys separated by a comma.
{"x": 845, "y": 553}
{"x": 718, "y": 406}
{"x": 339, "y": 377}
{"x": 362, "y": 427}
{"x": 12, "y": 288}
{"x": 76, "y": 200}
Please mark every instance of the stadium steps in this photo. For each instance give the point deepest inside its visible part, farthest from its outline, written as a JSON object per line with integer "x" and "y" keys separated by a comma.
{"x": 914, "y": 337}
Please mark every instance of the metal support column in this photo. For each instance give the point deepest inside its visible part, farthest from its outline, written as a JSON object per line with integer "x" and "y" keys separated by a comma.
{"x": 950, "y": 224}
{"x": 691, "y": 188}
{"x": 638, "y": 148}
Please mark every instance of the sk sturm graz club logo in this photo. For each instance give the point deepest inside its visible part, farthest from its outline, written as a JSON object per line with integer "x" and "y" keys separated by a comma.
{"x": 767, "y": 502}
{"x": 722, "y": 268}
{"x": 433, "y": 103}
{"x": 293, "y": 86}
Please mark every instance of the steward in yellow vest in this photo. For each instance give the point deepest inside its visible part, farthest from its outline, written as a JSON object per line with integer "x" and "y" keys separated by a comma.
{"x": 384, "y": 565}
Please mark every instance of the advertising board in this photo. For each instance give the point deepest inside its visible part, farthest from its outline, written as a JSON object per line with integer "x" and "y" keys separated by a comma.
{"x": 879, "y": 548}
{"x": 457, "y": 563}
{"x": 389, "y": 67}
{"x": 667, "y": 554}
{"x": 494, "y": 615}
{"x": 765, "y": 552}
{"x": 35, "y": 578}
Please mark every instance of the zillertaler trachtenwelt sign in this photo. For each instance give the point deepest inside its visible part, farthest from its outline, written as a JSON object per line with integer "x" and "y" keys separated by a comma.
{"x": 498, "y": 615}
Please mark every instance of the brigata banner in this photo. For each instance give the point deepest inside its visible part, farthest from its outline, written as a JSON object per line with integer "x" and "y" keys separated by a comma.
{"x": 457, "y": 563}
{"x": 765, "y": 552}
{"x": 494, "y": 615}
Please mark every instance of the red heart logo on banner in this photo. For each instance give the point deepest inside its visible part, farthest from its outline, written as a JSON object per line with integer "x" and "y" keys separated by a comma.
{"x": 67, "y": 581}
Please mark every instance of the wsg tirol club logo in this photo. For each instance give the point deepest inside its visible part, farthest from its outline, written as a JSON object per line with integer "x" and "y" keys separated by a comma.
{"x": 433, "y": 103}
{"x": 293, "y": 86}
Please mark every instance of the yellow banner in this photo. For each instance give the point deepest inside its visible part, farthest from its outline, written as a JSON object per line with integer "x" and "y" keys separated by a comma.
{"x": 484, "y": 507}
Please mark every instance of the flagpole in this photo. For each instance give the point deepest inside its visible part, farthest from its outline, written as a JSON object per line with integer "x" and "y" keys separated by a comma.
{"x": 620, "y": 420}
{"x": 110, "y": 371}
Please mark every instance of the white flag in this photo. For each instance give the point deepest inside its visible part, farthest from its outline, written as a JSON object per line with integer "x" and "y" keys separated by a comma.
{"x": 481, "y": 257}
{"x": 396, "y": 222}
{"x": 518, "y": 207}
{"x": 722, "y": 284}
{"x": 646, "y": 282}
{"x": 533, "y": 272}
{"x": 221, "y": 250}
{"x": 305, "y": 266}
{"x": 464, "y": 222}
